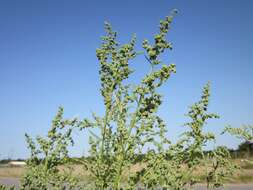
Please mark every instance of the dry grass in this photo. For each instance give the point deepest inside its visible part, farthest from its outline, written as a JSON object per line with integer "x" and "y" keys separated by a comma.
{"x": 10, "y": 171}
{"x": 244, "y": 175}
{"x": 75, "y": 170}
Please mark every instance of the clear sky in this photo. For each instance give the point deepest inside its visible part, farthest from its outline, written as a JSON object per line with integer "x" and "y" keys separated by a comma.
{"x": 47, "y": 59}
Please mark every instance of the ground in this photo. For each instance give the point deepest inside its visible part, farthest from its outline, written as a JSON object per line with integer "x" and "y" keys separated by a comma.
{"x": 243, "y": 179}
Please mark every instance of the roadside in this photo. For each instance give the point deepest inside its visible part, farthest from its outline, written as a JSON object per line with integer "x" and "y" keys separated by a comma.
{"x": 243, "y": 179}
{"x": 15, "y": 182}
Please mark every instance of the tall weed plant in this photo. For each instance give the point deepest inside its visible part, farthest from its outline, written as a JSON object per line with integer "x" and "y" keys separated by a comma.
{"x": 130, "y": 127}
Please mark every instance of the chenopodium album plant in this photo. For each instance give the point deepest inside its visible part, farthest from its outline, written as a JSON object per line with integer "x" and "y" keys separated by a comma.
{"x": 244, "y": 133}
{"x": 175, "y": 167}
{"x": 130, "y": 120}
{"x": 129, "y": 126}
{"x": 47, "y": 154}
{"x": 3, "y": 187}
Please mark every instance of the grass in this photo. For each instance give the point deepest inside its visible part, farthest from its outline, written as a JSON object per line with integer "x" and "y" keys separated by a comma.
{"x": 247, "y": 165}
{"x": 11, "y": 171}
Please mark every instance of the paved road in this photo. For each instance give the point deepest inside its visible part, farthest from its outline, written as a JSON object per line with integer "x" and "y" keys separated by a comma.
{"x": 10, "y": 181}
{"x": 230, "y": 187}
{"x": 15, "y": 182}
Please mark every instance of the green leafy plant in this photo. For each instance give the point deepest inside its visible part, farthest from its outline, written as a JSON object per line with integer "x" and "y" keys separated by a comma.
{"x": 130, "y": 127}
{"x": 221, "y": 168}
{"x": 47, "y": 153}
{"x": 174, "y": 167}
{"x": 131, "y": 123}
{"x": 244, "y": 133}
{"x": 3, "y": 187}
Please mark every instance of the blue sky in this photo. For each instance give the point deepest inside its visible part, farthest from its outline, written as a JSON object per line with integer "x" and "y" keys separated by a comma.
{"x": 47, "y": 59}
